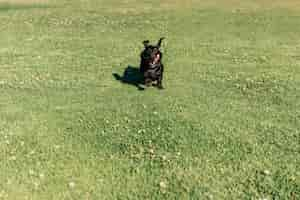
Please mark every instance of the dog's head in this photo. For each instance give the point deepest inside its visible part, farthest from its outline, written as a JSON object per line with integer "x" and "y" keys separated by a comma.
{"x": 152, "y": 55}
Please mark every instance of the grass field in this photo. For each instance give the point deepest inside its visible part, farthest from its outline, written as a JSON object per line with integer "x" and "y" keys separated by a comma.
{"x": 227, "y": 125}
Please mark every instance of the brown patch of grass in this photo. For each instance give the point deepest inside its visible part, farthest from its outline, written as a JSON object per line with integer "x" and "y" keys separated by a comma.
{"x": 114, "y": 6}
{"x": 24, "y": 2}
{"x": 233, "y": 4}
{"x": 125, "y": 7}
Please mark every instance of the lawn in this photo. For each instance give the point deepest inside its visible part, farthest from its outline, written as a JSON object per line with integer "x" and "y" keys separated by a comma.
{"x": 226, "y": 126}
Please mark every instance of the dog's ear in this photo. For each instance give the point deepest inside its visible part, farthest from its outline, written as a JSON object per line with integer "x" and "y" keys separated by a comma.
{"x": 146, "y": 43}
{"x": 159, "y": 42}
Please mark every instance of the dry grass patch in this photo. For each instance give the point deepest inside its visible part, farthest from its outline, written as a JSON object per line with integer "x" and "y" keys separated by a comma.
{"x": 125, "y": 7}
{"x": 233, "y": 4}
{"x": 24, "y": 1}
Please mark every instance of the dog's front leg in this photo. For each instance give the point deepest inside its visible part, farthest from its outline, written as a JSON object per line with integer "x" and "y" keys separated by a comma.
{"x": 159, "y": 83}
{"x": 160, "y": 78}
{"x": 148, "y": 82}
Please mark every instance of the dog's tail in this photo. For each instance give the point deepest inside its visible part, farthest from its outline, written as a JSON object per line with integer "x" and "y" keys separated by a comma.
{"x": 159, "y": 42}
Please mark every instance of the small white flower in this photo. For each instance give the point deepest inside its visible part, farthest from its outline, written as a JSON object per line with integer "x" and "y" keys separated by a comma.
{"x": 162, "y": 185}
{"x": 263, "y": 198}
{"x": 141, "y": 131}
{"x": 13, "y": 158}
{"x": 42, "y": 175}
{"x": 31, "y": 172}
{"x": 151, "y": 151}
{"x": 267, "y": 172}
{"x": 71, "y": 184}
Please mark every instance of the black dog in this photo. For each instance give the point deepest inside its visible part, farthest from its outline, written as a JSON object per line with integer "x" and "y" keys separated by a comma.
{"x": 151, "y": 65}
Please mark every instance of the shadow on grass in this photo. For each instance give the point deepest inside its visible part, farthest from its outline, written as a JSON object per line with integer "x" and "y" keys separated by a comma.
{"x": 6, "y": 6}
{"x": 131, "y": 76}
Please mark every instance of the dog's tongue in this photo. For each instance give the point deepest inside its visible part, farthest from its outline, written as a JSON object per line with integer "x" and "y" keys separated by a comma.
{"x": 156, "y": 59}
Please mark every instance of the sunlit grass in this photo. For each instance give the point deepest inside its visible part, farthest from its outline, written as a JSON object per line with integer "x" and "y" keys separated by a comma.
{"x": 226, "y": 126}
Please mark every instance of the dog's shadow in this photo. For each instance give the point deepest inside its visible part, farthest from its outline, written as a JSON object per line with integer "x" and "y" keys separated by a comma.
{"x": 131, "y": 76}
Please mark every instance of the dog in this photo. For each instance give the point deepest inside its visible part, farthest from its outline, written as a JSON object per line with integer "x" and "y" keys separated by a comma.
{"x": 151, "y": 66}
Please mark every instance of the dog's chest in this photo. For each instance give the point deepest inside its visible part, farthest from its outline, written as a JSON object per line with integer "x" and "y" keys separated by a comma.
{"x": 153, "y": 70}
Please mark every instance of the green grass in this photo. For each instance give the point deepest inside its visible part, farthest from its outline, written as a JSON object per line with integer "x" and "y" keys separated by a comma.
{"x": 226, "y": 126}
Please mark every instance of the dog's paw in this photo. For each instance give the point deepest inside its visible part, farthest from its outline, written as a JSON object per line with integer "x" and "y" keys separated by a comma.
{"x": 148, "y": 82}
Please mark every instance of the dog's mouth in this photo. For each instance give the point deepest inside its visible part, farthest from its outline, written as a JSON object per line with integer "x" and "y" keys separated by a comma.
{"x": 156, "y": 59}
